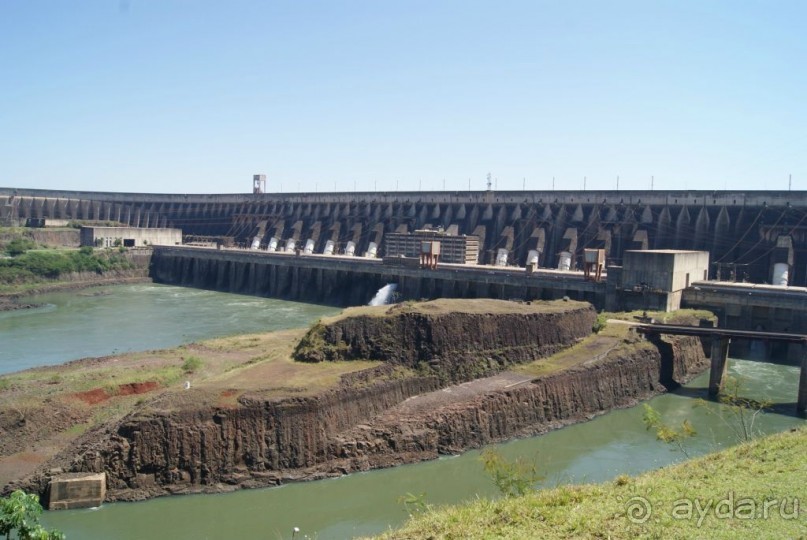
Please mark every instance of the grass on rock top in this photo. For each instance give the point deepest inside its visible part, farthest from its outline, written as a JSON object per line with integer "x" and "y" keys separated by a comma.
{"x": 443, "y": 306}
{"x": 246, "y": 362}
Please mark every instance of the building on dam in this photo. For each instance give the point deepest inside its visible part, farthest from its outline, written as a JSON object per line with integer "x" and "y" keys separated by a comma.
{"x": 752, "y": 236}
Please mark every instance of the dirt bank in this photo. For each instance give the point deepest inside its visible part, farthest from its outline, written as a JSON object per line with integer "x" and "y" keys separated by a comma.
{"x": 251, "y": 426}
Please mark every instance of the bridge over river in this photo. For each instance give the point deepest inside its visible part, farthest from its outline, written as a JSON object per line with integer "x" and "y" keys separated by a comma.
{"x": 721, "y": 338}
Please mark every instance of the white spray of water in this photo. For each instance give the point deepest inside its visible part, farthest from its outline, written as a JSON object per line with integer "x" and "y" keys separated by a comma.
{"x": 383, "y": 295}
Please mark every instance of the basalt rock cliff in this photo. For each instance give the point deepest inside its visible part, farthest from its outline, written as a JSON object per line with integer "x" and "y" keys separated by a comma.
{"x": 453, "y": 340}
{"x": 394, "y": 414}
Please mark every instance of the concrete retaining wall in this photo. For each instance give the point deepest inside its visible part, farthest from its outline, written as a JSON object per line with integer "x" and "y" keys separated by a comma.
{"x": 76, "y": 490}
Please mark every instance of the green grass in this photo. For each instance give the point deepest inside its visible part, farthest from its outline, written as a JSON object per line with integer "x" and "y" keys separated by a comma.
{"x": 741, "y": 479}
{"x": 681, "y": 316}
{"x": 443, "y": 306}
{"x": 191, "y": 364}
{"x": 39, "y": 266}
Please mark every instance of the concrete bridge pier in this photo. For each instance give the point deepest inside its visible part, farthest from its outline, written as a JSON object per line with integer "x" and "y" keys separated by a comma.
{"x": 801, "y": 402}
{"x": 720, "y": 362}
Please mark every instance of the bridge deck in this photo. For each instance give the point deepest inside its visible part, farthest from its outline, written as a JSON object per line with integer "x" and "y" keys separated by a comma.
{"x": 720, "y": 332}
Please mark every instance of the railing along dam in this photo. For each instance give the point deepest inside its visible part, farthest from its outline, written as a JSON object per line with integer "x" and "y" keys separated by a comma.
{"x": 742, "y": 230}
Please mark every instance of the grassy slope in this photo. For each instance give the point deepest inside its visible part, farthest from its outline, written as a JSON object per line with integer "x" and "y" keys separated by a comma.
{"x": 247, "y": 362}
{"x": 614, "y": 337}
{"x": 772, "y": 468}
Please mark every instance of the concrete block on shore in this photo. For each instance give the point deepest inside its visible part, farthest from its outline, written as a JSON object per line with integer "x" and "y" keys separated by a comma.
{"x": 76, "y": 490}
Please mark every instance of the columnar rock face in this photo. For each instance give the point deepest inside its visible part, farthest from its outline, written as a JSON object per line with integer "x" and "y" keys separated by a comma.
{"x": 735, "y": 227}
{"x": 620, "y": 380}
{"x": 263, "y": 443}
{"x": 250, "y": 444}
{"x": 455, "y": 340}
{"x": 392, "y": 414}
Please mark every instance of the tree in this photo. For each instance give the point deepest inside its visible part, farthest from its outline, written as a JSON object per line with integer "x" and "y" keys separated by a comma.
{"x": 513, "y": 478}
{"x": 19, "y": 513}
{"x": 741, "y": 413}
{"x": 666, "y": 433}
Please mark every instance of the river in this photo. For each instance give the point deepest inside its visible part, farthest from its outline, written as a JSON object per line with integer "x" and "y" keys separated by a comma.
{"x": 360, "y": 504}
{"x": 108, "y": 320}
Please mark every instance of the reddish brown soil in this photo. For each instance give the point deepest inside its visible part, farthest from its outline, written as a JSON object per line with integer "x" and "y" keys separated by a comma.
{"x": 93, "y": 397}
{"x": 99, "y": 395}
{"x": 137, "y": 388}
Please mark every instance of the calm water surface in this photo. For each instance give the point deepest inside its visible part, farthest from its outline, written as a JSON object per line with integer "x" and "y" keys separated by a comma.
{"x": 125, "y": 318}
{"x": 143, "y": 317}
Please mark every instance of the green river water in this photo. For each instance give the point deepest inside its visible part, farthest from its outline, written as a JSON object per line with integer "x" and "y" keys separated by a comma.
{"x": 74, "y": 325}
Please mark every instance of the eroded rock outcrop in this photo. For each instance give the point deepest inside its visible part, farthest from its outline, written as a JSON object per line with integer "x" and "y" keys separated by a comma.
{"x": 454, "y": 340}
{"x": 386, "y": 416}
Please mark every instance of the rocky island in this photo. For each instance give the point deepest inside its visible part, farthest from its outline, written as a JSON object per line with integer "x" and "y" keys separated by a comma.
{"x": 372, "y": 387}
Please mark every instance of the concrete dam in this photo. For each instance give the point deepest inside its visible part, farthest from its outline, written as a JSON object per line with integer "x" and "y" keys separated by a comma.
{"x": 350, "y": 281}
{"x": 746, "y": 233}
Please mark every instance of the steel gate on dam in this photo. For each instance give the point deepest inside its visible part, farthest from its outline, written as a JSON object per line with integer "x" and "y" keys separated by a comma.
{"x": 747, "y": 233}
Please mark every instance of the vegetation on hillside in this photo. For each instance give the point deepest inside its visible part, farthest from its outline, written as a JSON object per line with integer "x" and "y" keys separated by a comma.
{"x": 26, "y": 265}
{"x": 753, "y": 490}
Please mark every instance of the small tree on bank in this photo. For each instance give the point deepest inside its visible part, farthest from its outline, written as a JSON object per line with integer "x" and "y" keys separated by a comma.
{"x": 19, "y": 514}
{"x": 512, "y": 478}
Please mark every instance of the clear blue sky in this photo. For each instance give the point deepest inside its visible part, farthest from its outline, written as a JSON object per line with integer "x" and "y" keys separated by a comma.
{"x": 196, "y": 96}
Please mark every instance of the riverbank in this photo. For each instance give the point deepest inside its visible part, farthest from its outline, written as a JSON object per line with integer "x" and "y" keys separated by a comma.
{"x": 10, "y": 301}
{"x": 753, "y": 490}
{"x": 111, "y": 269}
{"x": 254, "y": 417}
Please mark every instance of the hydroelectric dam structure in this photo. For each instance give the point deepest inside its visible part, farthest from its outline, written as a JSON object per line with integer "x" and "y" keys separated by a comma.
{"x": 746, "y": 233}
{"x": 757, "y": 237}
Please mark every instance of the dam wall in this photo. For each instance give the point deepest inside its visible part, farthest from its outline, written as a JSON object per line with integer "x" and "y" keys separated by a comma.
{"x": 738, "y": 228}
{"x": 350, "y": 281}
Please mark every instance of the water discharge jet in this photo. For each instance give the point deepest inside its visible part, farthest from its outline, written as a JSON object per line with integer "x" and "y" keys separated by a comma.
{"x": 384, "y": 295}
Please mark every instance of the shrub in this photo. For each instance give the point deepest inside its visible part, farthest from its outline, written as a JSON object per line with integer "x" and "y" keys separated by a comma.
{"x": 18, "y": 246}
{"x": 39, "y": 265}
{"x": 600, "y": 323}
{"x": 513, "y": 478}
{"x": 191, "y": 364}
